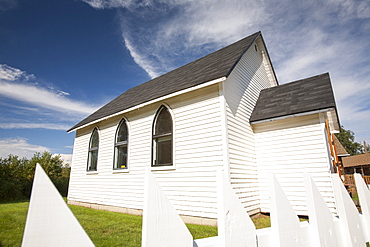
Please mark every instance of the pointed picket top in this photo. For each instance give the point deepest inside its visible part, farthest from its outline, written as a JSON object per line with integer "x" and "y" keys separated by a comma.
{"x": 285, "y": 223}
{"x": 364, "y": 197}
{"x": 50, "y": 222}
{"x": 320, "y": 217}
{"x": 162, "y": 225}
{"x": 235, "y": 227}
{"x": 352, "y": 234}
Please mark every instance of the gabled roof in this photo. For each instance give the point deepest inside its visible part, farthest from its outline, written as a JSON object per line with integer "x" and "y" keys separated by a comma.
{"x": 356, "y": 160}
{"x": 302, "y": 96}
{"x": 213, "y": 66}
{"x": 341, "y": 151}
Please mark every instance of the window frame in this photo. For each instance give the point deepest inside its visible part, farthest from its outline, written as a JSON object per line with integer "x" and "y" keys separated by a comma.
{"x": 92, "y": 150}
{"x": 120, "y": 144}
{"x": 162, "y": 137}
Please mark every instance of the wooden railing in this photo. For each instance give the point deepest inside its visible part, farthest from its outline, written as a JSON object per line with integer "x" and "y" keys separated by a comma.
{"x": 349, "y": 180}
{"x": 349, "y": 183}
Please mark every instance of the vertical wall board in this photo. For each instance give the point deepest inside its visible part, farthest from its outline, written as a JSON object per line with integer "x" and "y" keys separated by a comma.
{"x": 50, "y": 222}
{"x": 364, "y": 197}
{"x": 285, "y": 226}
{"x": 352, "y": 233}
{"x": 320, "y": 217}
{"x": 235, "y": 228}
{"x": 162, "y": 225}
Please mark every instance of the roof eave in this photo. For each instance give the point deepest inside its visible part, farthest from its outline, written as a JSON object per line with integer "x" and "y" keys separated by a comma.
{"x": 206, "y": 84}
{"x": 245, "y": 50}
{"x": 259, "y": 34}
{"x": 325, "y": 110}
{"x": 343, "y": 155}
{"x": 269, "y": 59}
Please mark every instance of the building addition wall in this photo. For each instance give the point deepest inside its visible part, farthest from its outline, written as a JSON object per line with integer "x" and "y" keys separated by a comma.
{"x": 288, "y": 148}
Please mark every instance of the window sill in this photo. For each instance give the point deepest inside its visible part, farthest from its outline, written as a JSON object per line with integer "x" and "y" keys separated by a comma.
{"x": 162, "y": 168}
{"x": 91, "y": 172}
{"x": 120, "y": 171}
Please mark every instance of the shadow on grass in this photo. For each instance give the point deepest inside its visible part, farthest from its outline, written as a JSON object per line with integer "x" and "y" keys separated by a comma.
{"x": 15, "y": 201}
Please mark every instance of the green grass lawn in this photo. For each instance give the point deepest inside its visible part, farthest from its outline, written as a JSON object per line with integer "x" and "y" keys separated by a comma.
{"x": 104, "y": 228}
{"x": 12, "y": 220}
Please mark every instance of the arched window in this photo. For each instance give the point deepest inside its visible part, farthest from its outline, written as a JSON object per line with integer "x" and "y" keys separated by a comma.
{"x": 162, "y": 138}
{"x": 120, "y": 146}
{"x": 92, "y": 161}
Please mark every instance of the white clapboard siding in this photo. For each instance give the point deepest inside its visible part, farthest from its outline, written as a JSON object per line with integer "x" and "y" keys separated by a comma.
{"x": 289, "y": 148}
{"x": 190, "y": 184}
{"x": 241, "y": 91}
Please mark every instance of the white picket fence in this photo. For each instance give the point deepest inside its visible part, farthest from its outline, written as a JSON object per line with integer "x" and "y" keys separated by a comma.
{"x": 51, "y": 223}
{"x": 163, "y": 227}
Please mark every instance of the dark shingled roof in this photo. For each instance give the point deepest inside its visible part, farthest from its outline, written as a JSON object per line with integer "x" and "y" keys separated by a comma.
{"x": 307, "y": 95}
{"x": 213, "y": 66}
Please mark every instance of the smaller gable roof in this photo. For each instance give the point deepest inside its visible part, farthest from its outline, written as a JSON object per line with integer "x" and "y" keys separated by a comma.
{"x": 356, "y": 160}
{"x": 341, "y": 151}
{"x": 306, "y": 95}
{"x": 213, "y": 66}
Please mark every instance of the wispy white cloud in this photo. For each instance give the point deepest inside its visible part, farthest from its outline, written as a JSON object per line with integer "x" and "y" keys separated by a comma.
{"x": 50, "y": 126}
{"x": 20, "y": 108}
{"x": 42, "y": 97}
{"x": 102, "y": 4}
{"x": 19, "y": 146}
{"x": 159, "y": 33}
{"x": 142, "y": 61}
{"x": 171, "y": 32}
{"x": 34, "y": 105}
{"x": 22, "y": 148}
{"x": 67, "y": 158}
{"x": 9, "y": 73}
{"x": 358, "y": 9}
{"x": 303, "y": 39}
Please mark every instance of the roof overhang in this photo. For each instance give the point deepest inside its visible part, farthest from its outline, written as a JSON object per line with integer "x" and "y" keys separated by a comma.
{"x": 343, "y": 155}
{"x": 330, "y": 113}
{"x": 206, "y": 84}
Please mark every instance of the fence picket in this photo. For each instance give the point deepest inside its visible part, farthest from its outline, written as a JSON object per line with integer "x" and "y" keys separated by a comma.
{"x": 322, "y": 226}
{"x": 235, "y": 227}
{"x": 285, "y": 225}
{"x": 364, "y": 197}
{"x": 350, "y": 223}
{"x": 162, "y": 226}
{"x": 50, "y": 222}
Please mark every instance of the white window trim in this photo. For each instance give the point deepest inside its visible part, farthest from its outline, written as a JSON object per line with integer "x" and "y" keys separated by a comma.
{"x": 122, "y": 170}
{"x": 88, "y": 152}
{"x": 164, "y": 167}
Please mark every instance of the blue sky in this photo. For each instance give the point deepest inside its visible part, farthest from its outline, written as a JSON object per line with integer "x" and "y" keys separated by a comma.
{"x": 61, "y": 60}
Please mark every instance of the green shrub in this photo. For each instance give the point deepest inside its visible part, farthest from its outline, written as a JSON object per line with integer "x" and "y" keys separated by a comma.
{"x": 16, "y": 175}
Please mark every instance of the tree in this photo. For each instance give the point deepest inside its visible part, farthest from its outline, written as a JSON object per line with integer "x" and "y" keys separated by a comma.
{"x": 52, "y": 165}
{"x": 347, "y": 139}
{"x": 12, "y": 177}
{"x": 16, "y": 175}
